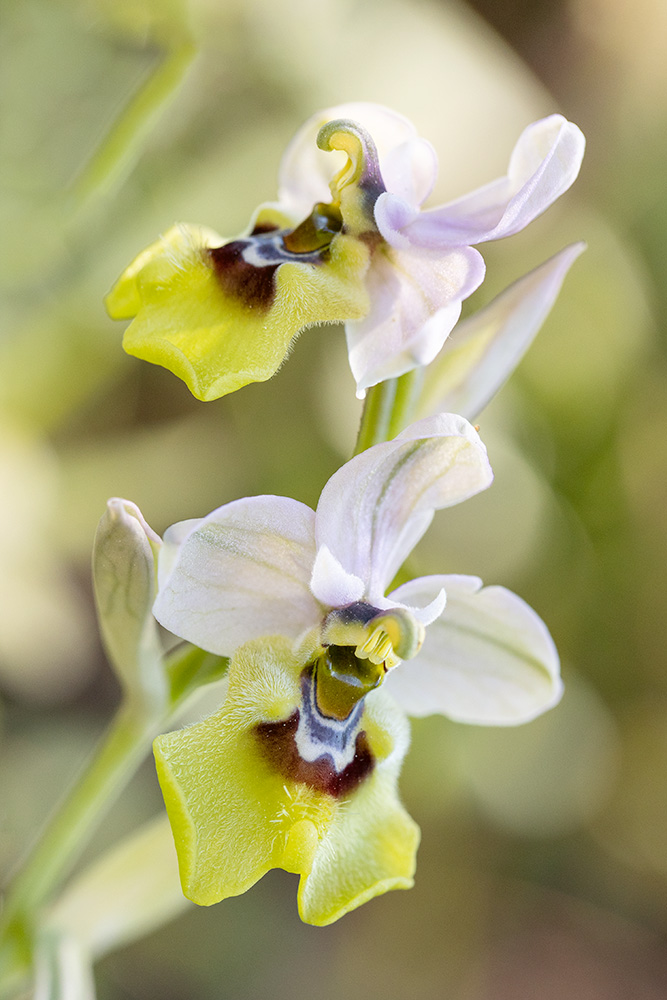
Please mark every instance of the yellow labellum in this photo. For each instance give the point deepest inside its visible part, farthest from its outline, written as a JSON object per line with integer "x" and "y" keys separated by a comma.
{"x": 235, "y": 813}
{"x": 215, "y": 340}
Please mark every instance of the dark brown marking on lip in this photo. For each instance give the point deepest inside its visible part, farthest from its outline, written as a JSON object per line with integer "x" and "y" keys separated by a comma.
{"x": 254, "y": 286}
{"x": 264, "y": 227}
{"x": 278, "y": 745}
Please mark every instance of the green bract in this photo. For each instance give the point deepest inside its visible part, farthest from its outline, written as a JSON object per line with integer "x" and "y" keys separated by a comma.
{"x": 124, "y": 572}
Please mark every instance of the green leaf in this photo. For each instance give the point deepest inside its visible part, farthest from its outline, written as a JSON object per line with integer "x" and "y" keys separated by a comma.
{"x": 130, "y": 891}
{"x": 190, "y": 668}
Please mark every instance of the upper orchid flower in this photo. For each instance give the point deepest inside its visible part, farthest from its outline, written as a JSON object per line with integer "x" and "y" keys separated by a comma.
{"x": 303, "y": 721}
{"x": 346, "y": 241}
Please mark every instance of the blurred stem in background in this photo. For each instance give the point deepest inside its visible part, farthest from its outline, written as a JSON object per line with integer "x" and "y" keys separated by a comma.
{"x": 125, "y": 137}
{"x": 122, "y": 143}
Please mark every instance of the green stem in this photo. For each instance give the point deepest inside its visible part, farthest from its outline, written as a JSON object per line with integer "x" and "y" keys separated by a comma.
{"x": 117, "y": 758}
{"x": 376, "y": 416}
{"x": 388, "y": 409}
{"x": 115, "y": 761}
{"x": 408, "y": 389}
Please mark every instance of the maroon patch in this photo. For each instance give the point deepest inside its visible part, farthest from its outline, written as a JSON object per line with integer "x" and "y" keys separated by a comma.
{"x": 264, "y": 227}
{"x": 254, "y": 286}
{"x": 276, "y": 740}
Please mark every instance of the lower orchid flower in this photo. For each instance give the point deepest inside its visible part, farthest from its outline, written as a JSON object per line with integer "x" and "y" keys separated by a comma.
{"x": 299, "y": 767}
{"x": 347, "y": 241}
{"x": 244, "y": 796}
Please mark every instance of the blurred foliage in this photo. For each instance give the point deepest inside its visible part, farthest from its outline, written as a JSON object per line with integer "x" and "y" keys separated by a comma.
{"x": 543, "y": 868}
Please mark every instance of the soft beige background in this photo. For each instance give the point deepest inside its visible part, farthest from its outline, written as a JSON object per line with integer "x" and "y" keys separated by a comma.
{"x": 543, "y": 868}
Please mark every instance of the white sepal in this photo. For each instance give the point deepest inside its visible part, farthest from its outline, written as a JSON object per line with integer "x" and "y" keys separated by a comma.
{"x": 242, "y": 572}
{"x": 488, "y": 659}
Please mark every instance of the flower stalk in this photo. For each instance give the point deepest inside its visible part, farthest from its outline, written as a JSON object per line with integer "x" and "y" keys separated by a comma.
{"x": 376, "y": 416}
{"x": 109, "y": 770}
{"x": 117, "y": 758}
{"x": 388, "y": 409}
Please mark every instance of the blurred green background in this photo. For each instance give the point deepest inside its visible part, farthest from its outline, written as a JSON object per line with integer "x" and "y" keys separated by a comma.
{"x": 543, "y": 867}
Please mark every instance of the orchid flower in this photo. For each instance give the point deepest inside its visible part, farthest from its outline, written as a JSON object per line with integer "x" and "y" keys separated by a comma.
{"x": 299, "y": 768}
{"x": 346, "y": 241}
